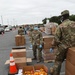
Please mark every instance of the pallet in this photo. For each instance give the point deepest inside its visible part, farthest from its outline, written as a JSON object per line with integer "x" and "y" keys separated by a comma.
{"x": 48, "y": 61}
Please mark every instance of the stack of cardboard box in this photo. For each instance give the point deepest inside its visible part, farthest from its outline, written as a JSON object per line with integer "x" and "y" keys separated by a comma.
{"x": 19, "y": 57}
{"x": 47, "y": 41}
{"x": 53, "y": 30}
{"x": 70, "y": 62}
{"x": 42, "y": 29}
{"x": 47, "y": 55}
{"x": 20, "y": 40}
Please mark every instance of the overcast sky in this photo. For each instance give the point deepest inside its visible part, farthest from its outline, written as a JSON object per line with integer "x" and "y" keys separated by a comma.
{"x": 32, "y": 11}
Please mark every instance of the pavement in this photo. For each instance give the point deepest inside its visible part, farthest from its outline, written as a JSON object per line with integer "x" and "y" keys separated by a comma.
{"x": 7, "y": 41}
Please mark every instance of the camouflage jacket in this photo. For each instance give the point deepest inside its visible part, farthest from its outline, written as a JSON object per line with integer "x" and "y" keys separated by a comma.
{"x": 65, "y": 34}
{"x": 21, "y": 31}
{"x": 36, "y": 38}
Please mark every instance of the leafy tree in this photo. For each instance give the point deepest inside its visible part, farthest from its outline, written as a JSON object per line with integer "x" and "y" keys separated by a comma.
{"x": 44, "y": 21}
{"x": 72, "y": 17}
{"x": 55, "y": 19}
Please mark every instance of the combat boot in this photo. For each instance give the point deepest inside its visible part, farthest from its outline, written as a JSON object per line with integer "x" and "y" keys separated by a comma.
{"x": 34, "y": 58}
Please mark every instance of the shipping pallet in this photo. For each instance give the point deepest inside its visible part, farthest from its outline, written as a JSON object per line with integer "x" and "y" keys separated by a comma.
{"x": 48, "y": 61}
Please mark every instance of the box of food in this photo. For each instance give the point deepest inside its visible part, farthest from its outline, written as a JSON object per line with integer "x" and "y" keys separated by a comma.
{"x": 47, "y": 55}
{"x": 47, "y": 45}
{"x": 67, "y": 73}
{"x": 20, "y": 40}
{"x": 48, "y": 38}
{"x": 37, "y": 69}
{"x": 20, "y": 62}
{"x": 45, "y": 51}
{"x": 70, "y": 68}
{"x": 28, "y": 70}
{"x": 40, "y": 66}
{"x": 71, "y": 55}
{"x": 18, "y": 53}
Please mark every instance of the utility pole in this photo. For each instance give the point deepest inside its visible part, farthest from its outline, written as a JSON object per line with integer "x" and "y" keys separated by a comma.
{"x": 2, "y": 20}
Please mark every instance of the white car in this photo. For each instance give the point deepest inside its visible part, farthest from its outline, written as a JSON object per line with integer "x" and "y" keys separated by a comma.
{"x": 7, "y": 29}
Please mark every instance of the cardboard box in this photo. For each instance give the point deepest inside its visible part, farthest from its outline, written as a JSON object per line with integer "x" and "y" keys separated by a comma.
{"x": 20, "y": 40}
{"x": 67, "y": 73}
{"x": 70, "y": 67}
{"x": 42, "y": 29}
{"x": 27, "y": 60}
{"x": 47, "y": 45}
{"x": 71, "y": 55}
{"x": 49, "y": 56}
{"x": 53, "y": 30}
{"x": 47, "y": 41}
{"x": 45, "y": 51}
{"x": 34, "y": 68}
{"x": 19, "y": 53}
{"x": 40, "y": 66}
{"x": 28, "y": 68}
{"x": 48, "y": 38}
{"x": 20, "y": 62}
{"x": 19, "y": 47}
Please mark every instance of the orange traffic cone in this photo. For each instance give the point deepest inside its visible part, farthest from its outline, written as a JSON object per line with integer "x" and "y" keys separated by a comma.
{"x": 13, "y": 70}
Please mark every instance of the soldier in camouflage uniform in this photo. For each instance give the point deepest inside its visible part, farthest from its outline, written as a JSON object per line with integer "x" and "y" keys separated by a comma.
{"x": 64, "y": 38}
{"x": 21, "y": 31}
{"x": 31, "y": 28}
{"x": 37, "y": 41}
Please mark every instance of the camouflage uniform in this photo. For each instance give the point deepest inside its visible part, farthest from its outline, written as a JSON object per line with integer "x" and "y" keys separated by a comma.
{"x": 64, "y": 38}
{"x": 21, "y": 31}
{"x": 36, "y": 39}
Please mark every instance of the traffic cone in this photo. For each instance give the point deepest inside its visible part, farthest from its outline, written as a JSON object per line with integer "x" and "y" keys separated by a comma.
{"x": 12, "y": 69}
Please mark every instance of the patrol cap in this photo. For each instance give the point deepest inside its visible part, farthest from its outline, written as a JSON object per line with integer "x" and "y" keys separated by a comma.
{"x": 64, "y": 12}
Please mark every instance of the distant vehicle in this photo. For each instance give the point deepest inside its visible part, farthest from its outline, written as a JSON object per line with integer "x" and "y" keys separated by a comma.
{"x": 10, "y": 27}
{"x": 1, "y": 30}
{"x": 7, "y": 29}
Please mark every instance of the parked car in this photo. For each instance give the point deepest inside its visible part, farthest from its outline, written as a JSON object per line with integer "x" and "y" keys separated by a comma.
{"x": 10, "y": 27}
{"x": 1, "y": 30}
{"x": 7, "y": 29}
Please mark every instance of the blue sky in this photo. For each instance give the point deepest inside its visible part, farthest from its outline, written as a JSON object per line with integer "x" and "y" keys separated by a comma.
{"x": 32, "y": 11}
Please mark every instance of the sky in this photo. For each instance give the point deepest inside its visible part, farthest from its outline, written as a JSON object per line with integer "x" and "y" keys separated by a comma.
{"x": 14, "y": 12}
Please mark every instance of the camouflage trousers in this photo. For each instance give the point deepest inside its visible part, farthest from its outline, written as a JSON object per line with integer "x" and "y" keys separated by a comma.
{"x": 60, "y": 56}
{"x": 37, "y": 52}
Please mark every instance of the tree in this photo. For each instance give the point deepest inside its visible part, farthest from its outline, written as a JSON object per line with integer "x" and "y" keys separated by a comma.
{"x": 44, "y": 21}
{"x": 55, "y": 19}
{"x": 72, "y": 17}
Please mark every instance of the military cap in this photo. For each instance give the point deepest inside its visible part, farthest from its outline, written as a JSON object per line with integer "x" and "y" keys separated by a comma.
{"x": 64, "y": 12}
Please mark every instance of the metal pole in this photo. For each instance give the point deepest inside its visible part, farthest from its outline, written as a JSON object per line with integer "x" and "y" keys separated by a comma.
{"x": 2, "y": 20}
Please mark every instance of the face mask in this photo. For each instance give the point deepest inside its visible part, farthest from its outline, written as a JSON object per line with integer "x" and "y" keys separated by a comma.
{"x": 61, "y": 19}
{"x": 35, "y": 28}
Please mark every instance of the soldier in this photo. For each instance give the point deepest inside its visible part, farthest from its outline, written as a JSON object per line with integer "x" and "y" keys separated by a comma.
{"x": 21, "y": 31}
{"x": 37, "y": 41}
{"x": 64, "y": 39}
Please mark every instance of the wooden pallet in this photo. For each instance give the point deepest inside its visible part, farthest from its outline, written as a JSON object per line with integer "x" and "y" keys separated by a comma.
{"x": 48, "y": 61}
